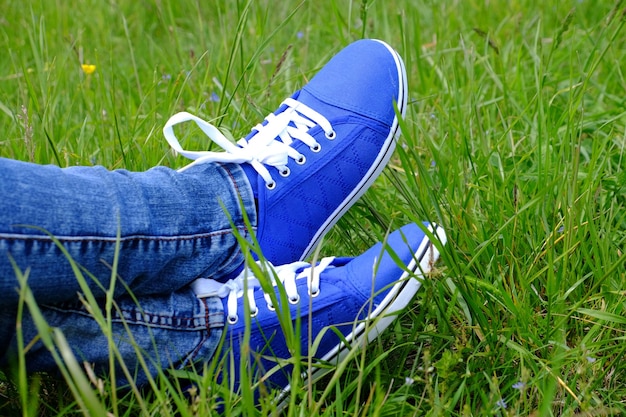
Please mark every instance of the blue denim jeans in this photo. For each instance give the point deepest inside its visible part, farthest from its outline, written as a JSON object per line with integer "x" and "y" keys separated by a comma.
{"x": 169, "y": 227}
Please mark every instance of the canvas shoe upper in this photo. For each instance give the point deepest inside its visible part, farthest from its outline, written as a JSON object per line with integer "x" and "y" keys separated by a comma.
{"x": 359, "y": 297}
{"x": 309, "y": 161}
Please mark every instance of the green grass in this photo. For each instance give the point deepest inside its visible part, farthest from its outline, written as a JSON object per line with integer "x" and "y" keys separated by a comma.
{"x": 514, "y": 141}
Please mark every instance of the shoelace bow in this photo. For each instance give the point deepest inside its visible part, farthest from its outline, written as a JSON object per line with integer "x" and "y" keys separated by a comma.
{"x": 286, "y": 274}
{"x": 264, "y": 147}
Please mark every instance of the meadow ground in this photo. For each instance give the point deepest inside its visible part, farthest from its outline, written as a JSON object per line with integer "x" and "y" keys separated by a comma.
{"x": 513, "y": 141}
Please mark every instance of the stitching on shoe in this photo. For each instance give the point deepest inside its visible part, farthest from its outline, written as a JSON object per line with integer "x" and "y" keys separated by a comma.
{"x": 363, "y": 111}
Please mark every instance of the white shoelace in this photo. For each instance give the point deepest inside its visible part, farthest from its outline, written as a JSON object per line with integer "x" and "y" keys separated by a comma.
{"x": 286, "y": 274}
{"x": 263, "y": 148}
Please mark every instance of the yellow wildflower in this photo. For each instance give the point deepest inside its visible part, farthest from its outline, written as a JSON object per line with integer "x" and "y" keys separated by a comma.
{"x": 88, "y": 68}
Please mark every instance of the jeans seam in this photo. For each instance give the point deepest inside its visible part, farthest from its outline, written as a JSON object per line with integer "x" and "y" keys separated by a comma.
{"x": 63, "y": 239}
{"x": 141, "y": 318}
{"x": 235, "y": 185}
{"x": 232, "y": 178}
{"x": 207, "y": 333}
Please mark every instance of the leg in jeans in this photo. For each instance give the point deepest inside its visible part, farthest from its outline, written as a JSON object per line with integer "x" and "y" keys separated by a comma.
{"x": 169, "y": 331}
{"x": 185, "y": 327}
{"x": 173, "y": 229}
{"x": 173, "y": 226}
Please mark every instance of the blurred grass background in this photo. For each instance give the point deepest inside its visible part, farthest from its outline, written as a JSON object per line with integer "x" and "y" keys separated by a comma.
{"x": 513, "y": 141}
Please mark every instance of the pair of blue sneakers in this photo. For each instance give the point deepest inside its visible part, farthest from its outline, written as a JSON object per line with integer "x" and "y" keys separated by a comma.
{"x": 307, "y": 163}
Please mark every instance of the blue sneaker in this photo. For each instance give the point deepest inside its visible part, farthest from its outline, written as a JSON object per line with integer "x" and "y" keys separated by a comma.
{"x": 309, "y": 161}
{"x": 357, "y": 297}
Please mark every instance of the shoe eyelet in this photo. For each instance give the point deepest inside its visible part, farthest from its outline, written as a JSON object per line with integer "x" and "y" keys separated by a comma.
{"x": 315, "y": 293}
{"x": 301, "y": 160}
{"x": 331, "y": 135}
{"x": 285, "y": 172}
{"x": 271, "y": 307}
{"x": 270, "y": 185}
{"x": 254, "y": 313}
{"x": 294, "y": 300}
{"x": 316, "y": 148}
{"x": 233, "y": 319}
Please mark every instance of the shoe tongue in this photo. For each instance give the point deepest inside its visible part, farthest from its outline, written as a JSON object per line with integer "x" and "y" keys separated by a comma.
{"x": 253, "y": 176}
{"x": 304, "y": 97}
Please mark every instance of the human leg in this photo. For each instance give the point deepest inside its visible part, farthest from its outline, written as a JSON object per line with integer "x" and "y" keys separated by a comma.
{"x": 154, "y": 333}
{"x": 357, "y": 297}
{"x": 173, "y": 226}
